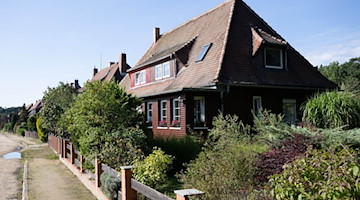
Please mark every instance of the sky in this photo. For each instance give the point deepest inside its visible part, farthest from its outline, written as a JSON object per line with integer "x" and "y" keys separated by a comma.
{"x": 43, "y": 42}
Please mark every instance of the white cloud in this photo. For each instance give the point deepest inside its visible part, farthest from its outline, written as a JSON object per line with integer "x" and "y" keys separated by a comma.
{"x": 341, "y": 52}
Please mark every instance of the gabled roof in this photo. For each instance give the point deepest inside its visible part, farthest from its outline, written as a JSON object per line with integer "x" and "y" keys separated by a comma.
{"x": 107, "y": 73}
{"x": 236, "y": 33}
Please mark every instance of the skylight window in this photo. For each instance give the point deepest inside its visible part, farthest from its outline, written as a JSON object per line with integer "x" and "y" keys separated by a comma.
{"x": 203, "y": 52}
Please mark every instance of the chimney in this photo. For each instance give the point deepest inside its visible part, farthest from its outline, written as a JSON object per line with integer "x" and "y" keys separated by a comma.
{"x": 95, "y": 71}
{"x": 76, "y": 85}
{"x": 156, "y": 34}
{"x": 122, "y": 63}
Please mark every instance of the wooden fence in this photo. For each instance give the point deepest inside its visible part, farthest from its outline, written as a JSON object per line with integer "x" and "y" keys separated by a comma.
{"x": 129, "y": 186}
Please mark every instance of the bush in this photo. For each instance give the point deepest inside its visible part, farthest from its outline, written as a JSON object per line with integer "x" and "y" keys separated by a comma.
{"x": 41, "y": 132}
{"x": 182, "y": 149}
{"x": 322, "y": 174}
{"x": 333, "y": 109}
{"x": 152, "y": 170}
{"x": 31, "y": 123}
{"x": 110, "y": 186}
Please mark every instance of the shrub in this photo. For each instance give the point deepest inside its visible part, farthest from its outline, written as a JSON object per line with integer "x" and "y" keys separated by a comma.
{"x": 272, "y": 161}
{"x": 322, "y": 174}
{"x": 41, "y": 132}
{"x": 182, "y": 149}
{"x": 31, "y": 123}
{"x": 152, "y": 170}
{"x": 110, "y": 186}
{"x": 333, "y": 109}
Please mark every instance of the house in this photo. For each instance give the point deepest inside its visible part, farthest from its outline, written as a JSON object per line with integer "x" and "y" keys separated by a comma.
{"x": 226, "y": 60}
{"x": 32, "y": 109}
{"x": 115, "y": 70}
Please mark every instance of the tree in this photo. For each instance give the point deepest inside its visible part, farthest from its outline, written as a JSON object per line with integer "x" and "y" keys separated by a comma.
{"x": 332, "y": 109}
{"x": 56, "y": 101}
{"x": 103, "y": 122}
{"x": 346, "y": 75}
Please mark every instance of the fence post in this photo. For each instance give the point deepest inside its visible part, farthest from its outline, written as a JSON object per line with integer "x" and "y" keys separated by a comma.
{"x": 81, "y": 163}
{"x": 127, "y": 193}
{"x": 97, "y": 172}
{"x": 72, "y": 153}
{"x": 185, "y": 194}
{"x": 62, "y": 148}
{"x": 58, "y": 145}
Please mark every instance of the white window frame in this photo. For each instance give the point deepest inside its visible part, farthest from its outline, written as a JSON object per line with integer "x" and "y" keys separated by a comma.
{"x": 149, "y": 109}
{"x": 202, "y": 109}
{"x": 160, "y": 70}
{"x": 162, "y": 116}
{"x": 294, "y": 117}
{"x": 257, "y": 106}
{"x": 140, "y": 77}
{"x": 174, "y": 116}
{"x": 281, "y": 59}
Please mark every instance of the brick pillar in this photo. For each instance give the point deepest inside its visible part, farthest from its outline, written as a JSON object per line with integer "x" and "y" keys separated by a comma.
{"x": 98, "y": 172}
{"x": 127, "y": 193}
{"x": 185, "y": 194}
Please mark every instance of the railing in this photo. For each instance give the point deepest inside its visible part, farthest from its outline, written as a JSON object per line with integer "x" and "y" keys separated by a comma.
{"x": 129, "y": 186}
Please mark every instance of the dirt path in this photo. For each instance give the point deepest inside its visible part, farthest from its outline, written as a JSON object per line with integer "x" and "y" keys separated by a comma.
{"x": 50, "y": 179}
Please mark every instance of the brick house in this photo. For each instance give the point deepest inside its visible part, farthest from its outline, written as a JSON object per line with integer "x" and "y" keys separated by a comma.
{"x": 115, "y": 70}
{"x": 226, "y": 60}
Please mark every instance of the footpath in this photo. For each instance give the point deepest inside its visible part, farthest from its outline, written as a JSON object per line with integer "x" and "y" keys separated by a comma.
{"x": 48, "y": 178}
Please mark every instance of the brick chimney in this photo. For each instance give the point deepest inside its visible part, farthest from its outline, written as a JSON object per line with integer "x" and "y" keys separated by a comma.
{"x": 122, "y": 63}
{"x": 156, "y": 34}
{"x": 95, "y": 71}
{"x": 77, "y": 86}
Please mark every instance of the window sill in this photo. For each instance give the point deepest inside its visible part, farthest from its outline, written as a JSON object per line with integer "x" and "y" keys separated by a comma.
{"x": 159, "y": 127}
{"x": 200, "y": 128}
{"x": 149, "y": 127}
{"x": 175, "y": 128}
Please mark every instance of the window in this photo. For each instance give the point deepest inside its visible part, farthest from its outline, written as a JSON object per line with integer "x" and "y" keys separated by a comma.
{"x": 163, "y": 112}
{"x": 289, "y": 110}
{"x": 257, "y": 106}
{"x": 162, "y": 70}
{"x": 203, "y": 52}
{"x": 273, "y": 58}
{"x": 199, "y": 111}
{"x": 149, "y": 113}
{"x": 140, "y": 77}
{"x": 175, "y": 113}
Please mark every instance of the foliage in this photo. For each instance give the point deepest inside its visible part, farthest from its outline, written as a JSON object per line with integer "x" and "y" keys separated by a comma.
{"x": 152, "y": 170}
{"x": 110, "y": 186}
{"x": 321, "y": 174}
{"x": 225, "y": 168}
{"x": 31, "y": 123}
{"x": 332, "y": 109}
{"x": 346, "y": 75}
{"x": 182, "y": 149}
{"x": 103, "y": 121}
{"x": 272, "y": 161}
{"x": 57, "y": 101}
{"x": 41, "y": 132}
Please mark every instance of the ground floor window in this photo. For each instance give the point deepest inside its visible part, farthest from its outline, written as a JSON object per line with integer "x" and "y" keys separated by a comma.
{"x": 257, "y": 106}
{"x": 176, "y": 113}
{"x": 149, "y": 113}
{"x": 289, "y": 111}
{"x": 199, "y": 111}
{"x": 163, "y": 113}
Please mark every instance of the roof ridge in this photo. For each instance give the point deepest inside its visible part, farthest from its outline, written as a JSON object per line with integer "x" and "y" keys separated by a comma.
{"x": 221, "y": 60}
{"x": 268, "y": 34}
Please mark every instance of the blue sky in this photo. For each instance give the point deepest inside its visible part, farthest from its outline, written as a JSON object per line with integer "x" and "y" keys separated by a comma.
{"x": 43, "y": 42}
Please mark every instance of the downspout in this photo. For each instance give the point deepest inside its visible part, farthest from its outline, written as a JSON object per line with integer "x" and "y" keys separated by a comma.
{"x": 222, "y": 102}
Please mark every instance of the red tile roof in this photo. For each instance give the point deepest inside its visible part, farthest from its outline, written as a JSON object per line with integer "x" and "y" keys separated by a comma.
{"x": 236, "y": 33}
{"x": 107, "y": 73}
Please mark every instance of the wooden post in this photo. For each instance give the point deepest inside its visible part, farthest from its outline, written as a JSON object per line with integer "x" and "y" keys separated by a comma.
{"x": 127, "y": 193}
{"x": 62, "y": 148}
{"x": 81, "y": 163}
{"x": 98, "y": 172}
{"x": 72, "y": 153}
{"x": 184, "y": 194}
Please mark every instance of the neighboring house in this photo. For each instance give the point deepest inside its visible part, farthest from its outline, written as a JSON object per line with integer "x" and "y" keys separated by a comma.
{"x": 35, "y": 108}
{"x": 116, "y": 70}
{"x": 226, "y": 60}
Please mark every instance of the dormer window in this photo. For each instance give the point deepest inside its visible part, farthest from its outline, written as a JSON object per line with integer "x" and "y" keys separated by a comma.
{"x": 162, "y": 70}
{"x": 140, "y": 77}
{"x": 273, "y": 58}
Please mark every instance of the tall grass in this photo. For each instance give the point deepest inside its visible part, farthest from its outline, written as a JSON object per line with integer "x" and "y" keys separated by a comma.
{"x": 332, "y": 109}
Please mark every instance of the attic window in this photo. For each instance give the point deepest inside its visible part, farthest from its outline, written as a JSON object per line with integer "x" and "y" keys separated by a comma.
{"x": 140, "y": 77}
{"x": 203, "y": 52}
{"x": 273, "y": 58}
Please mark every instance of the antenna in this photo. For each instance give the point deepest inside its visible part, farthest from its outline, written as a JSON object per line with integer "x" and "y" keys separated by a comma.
{"x": 100, "y": 60}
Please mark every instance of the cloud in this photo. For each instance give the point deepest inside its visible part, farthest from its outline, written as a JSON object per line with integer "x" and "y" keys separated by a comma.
{"x": 340, "y": 52}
